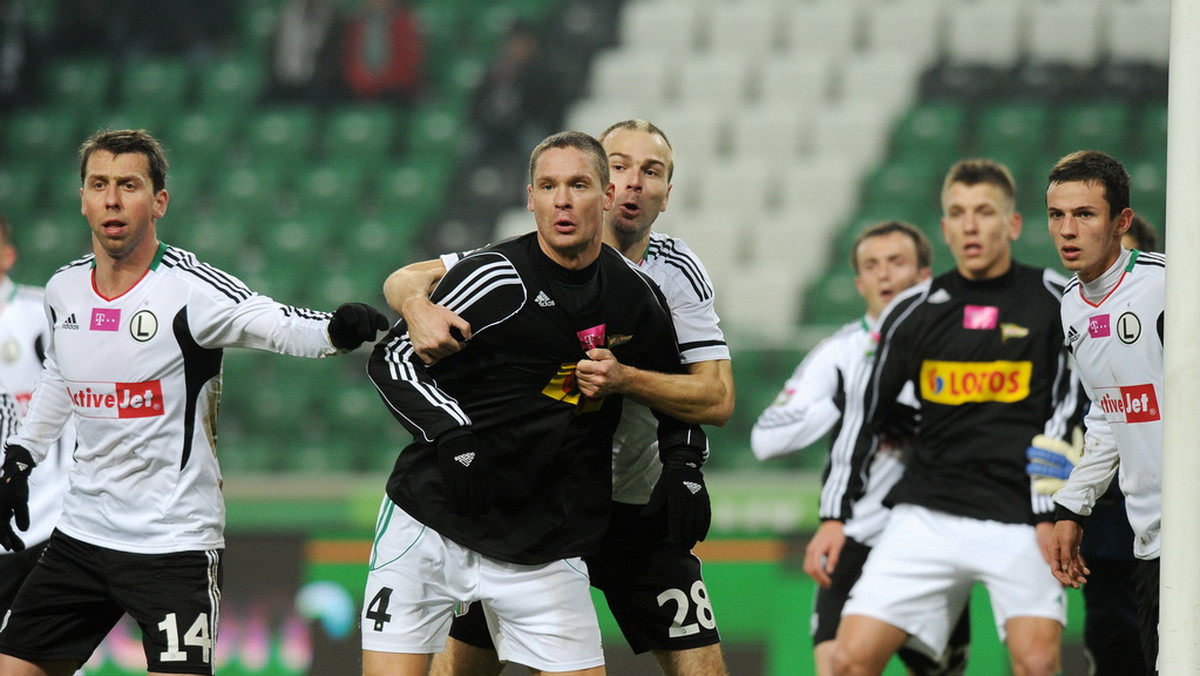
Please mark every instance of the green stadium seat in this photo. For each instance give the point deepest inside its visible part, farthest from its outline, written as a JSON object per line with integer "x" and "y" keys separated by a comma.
{"x": 434, "y": 133}
{"x": 904, "y": 189}
{"x": 164, "y": 84}
{"x": 1148, "y": 190}
{"x": 1151, "y": 130}
{"x": 331, "y": 194}
{"x": 1013, "y": 133}
{"x": 833, "y": 299}
{"x": 934, "y": 131}
{"x": 200, "y": 137}
{"x": 411, "y": 192}
{"x": 281, "y": 138}
{"x": 1094, "y": 126}
{"x": 231, "y": 84}
{"x": 44, "y": 139}
{"x": 364, "y": 135}
{"x": 149, "y": 118}
{"x": 20, "y": 193}
{"x": 79, "y": 84}
{"x": 252, "y": 193}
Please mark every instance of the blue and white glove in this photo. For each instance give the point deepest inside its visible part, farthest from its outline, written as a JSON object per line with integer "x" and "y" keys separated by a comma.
{"x": 1051, "y": 461}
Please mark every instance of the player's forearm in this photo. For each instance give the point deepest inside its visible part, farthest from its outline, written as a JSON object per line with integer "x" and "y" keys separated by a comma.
{"x": 704, "y": 396}
{"x": 415, "y": 280}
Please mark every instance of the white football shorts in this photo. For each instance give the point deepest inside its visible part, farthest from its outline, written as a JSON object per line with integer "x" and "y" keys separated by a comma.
{"x": 919, "y": 576}
{"x": 540, "y": 616}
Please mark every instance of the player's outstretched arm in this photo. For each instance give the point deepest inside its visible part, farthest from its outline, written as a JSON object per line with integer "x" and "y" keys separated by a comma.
{"x": 435, "y": 332}
{"x": 704, "y": 395}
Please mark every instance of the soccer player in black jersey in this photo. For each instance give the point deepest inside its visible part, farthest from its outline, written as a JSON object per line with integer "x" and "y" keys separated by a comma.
{"x": 983, "y": 348}
{"x": 507, "y": 483}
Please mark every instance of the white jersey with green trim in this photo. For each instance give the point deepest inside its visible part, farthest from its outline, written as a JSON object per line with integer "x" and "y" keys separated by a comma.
{"x": 142, "y": 374}
{"x": 24, "y": 336}
{"x": 689, "y": 292}
{"x": 1114, "y": 326}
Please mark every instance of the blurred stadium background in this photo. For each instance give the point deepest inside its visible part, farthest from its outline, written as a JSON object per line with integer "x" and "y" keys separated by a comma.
{"x": 795, "y": 123}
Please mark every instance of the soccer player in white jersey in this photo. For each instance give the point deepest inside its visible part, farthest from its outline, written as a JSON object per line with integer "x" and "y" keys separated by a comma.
{"x": 1112, "y": 315}
{"x": 637, "y": 558}
{"x": 138, "y": 330}
{"x": 825, "y": 393}
{"x": 23, "y": 340}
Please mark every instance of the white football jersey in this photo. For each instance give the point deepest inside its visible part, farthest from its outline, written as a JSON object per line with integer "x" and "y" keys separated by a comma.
{"x": 825, "y": 393}
{"x": 24, "y": 337}
{"x": 1113, "y": 325}
{"x": 142, "y": 374}
{"x": 689, "y": 293}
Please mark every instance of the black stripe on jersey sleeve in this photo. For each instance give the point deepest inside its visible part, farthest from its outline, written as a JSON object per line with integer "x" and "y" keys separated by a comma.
{"x": 1156, "y": 260}
{"x": 685, "y": 263}
{"x": 227, "y": 284}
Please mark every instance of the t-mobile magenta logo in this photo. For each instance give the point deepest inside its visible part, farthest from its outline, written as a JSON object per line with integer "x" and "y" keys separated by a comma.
{"x": 105, "y": 319}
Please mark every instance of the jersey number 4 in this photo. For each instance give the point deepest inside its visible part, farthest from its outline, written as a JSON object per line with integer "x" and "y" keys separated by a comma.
{"x": 683, "y": 606}
{"x": 377, "y": 608}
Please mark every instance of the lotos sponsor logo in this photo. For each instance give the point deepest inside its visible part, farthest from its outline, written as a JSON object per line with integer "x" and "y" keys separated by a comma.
{"x": 117, "y": 400}
{"x": 1130, "y": 404}
{"x": 954, "y": 383}
{"x": 562, "y": 386}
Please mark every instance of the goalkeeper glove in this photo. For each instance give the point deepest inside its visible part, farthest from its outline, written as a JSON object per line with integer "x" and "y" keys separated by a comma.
{"x": 465, "y": 473}
{"x": 354, "y": 323}
{"x": 14, "y": 496}
{"x": 680, "y": 494}
{"x": 1051, "y": 461}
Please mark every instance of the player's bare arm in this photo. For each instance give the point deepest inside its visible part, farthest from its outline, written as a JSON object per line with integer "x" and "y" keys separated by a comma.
{"x": 703, "y": 396}
{"x": 431, "y": 327}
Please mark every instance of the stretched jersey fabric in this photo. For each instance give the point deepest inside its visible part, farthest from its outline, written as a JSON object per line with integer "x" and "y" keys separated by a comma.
{"x": 688, "y": 290}
{"x": 1114, "y": 327}
{"x": 824, "y": 393}
{"x": 550, "y": 449}
{"x": 988, "y": 363}
{"x": 142, "y": 374}
{"x": 689, "y": 293}
{"x": 24, "y": 336}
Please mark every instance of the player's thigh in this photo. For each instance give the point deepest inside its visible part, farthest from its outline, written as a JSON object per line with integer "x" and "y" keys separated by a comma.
{"x": 394, "y": 664}
{"x": 542, "y": 615}
{"x": 464, "y": 659}
{"x": 703, "y": 661}
{"x": 13, "y": 666}
{"x": 414, "y": 578}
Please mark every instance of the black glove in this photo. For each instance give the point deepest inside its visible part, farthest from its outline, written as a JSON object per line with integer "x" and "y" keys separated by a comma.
{"x": 681, "y": 494}
{"x": 354, "y": 323}
{"x": 465, "y": 473}
{"x": 14, "y": 496}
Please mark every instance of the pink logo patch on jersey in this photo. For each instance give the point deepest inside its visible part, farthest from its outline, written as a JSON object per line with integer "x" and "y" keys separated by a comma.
{"x": 105, "y": 319}
{"x": 593, "y": 337}
{"x": 1098, "y": 327}
{"x": 1130, "y": 404}
{"x": 981, "y": 317}
{"x": 117, "y": 400}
